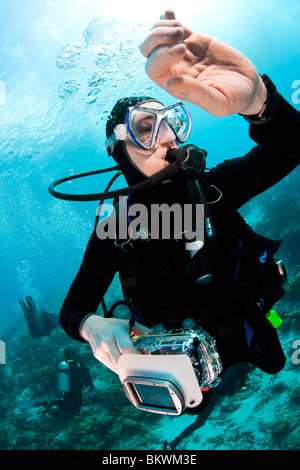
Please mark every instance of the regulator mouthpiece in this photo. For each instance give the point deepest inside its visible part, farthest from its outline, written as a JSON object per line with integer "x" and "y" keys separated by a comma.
{"x": 190, "y": 159}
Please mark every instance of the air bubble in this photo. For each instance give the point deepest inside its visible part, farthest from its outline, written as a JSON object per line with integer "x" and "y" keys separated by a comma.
{"x": 69, "y": 88}
{"x": 68, "y": 56}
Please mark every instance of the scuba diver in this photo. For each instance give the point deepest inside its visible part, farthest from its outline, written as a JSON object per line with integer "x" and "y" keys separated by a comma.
{"x": 39, "y": 322}
{"x": 228, "y": 282}
{"x": 73, "y": 376}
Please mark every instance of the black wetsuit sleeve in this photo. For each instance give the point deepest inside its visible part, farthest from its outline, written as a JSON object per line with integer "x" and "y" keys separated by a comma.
{"x": 275, "y": 156}
{"x": 87, "y": 378}
{"x": 96, "y": 273}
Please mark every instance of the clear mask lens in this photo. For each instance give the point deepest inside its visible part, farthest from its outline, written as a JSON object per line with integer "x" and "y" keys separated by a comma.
{"x": 180, "y": 122}
{"x": 142, "y": 125}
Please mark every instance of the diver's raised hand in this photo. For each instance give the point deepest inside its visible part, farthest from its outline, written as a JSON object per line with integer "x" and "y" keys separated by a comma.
{"x": 202, "y": 70}
{"x": 109, "y": 338}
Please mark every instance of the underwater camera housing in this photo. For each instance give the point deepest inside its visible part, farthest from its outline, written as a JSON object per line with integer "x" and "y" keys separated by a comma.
{"x": 171, "y": 371}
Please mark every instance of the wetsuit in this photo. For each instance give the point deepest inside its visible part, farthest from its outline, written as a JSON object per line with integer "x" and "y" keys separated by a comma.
{"x": 153, "y": 274}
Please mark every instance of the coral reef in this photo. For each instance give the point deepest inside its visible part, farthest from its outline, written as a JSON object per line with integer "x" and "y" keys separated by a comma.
{"x": 293, "y": 287}
{"x": 262, "y": 415}
{"x": 30, "y": 374}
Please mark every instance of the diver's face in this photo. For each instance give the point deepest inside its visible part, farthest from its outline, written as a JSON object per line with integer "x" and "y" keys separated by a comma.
{"x": 154, "y": 160}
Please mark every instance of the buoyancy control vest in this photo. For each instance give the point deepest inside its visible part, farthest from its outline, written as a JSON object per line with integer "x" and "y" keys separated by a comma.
{"x": 256, "y": 278}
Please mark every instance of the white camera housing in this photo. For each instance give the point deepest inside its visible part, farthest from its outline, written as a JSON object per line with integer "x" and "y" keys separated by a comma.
{"x": 163, "y": 384}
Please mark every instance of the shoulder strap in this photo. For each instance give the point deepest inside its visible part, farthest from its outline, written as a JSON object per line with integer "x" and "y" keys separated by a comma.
{"x": 127, "y": 270}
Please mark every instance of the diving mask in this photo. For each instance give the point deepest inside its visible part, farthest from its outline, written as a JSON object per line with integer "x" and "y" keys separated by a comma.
{"x": 171, "y": 371}
{"x": 143, "y": 124}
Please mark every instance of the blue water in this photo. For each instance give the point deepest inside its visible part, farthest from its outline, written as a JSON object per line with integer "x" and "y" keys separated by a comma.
{"x": 64, "y": 64}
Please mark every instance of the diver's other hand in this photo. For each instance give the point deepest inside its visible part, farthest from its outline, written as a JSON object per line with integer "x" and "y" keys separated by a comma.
{"x": 202, "y": 70}
{"x": 109, "y": 338}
